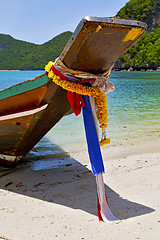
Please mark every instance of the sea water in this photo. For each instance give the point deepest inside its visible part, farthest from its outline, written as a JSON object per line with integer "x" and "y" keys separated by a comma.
{"x": 133, "y": 117}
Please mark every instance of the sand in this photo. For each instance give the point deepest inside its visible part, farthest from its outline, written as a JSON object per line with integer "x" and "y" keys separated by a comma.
{"x": 60, "y": 203}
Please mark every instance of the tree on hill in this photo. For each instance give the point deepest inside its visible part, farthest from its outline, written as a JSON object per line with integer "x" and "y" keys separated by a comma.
{"x": 5, "y": 40}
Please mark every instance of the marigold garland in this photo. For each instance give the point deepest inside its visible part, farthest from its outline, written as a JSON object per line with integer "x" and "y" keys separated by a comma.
{"x": 100, "y": 97}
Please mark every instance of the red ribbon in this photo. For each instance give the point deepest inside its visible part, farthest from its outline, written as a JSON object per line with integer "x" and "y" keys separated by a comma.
{"x": 76, "y": 100}
{"x": 99, "y": 208}
{"x": 57, "y": 72}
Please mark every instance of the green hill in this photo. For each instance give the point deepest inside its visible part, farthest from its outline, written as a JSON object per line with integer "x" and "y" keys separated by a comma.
{"x": 16, "y": 54}
{"x": 146, "y": 52}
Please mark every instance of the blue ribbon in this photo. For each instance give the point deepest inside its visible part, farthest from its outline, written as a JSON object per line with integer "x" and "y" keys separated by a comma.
{"x": 92, "y": 138}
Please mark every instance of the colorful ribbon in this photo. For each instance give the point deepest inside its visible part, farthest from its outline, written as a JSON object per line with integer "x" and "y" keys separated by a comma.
{"x": 78, "y": 102}
{"x": 92, "y": 139}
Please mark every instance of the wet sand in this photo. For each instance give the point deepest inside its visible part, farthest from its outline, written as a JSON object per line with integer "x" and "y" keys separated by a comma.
{"x": 60, "y": 203}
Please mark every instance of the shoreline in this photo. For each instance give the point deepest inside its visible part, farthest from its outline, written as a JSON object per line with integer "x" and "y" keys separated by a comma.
{"x": 147, "y": 147}
{"x": 9, "y": 70}
{"x": 131, "y": 69}
{"x": 121, "y": 151}
{"x": 41, "y": 162}
{"x": 33, "y": 163}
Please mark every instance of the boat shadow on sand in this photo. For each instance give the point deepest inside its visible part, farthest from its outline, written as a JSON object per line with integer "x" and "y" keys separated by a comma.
{"x": 71, "y": 184}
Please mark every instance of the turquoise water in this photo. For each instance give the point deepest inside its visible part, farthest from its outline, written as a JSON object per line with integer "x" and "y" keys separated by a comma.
{"x": 133, "y": 113}
{"x": 134, "y": 106}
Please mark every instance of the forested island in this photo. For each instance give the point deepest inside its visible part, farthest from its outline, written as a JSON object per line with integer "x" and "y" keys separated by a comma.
{"x": 145, "y": 54}
{"x": 16, "y": 54}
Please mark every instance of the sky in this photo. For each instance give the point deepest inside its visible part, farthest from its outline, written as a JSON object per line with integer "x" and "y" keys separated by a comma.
{"x": 39, "y": 21}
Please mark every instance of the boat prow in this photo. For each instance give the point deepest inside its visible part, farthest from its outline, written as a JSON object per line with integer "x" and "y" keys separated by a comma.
{"x": 30, "y": 109}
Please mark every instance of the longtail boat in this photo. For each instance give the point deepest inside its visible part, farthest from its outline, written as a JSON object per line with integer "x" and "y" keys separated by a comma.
{"x": 28, "y": 110}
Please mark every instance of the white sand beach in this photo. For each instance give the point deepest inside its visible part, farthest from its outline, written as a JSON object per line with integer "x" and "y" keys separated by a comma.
{"x": 60, "y": 203}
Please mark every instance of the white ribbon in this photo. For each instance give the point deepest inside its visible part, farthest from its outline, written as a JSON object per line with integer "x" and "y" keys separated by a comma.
{"x": 105, "y": 211}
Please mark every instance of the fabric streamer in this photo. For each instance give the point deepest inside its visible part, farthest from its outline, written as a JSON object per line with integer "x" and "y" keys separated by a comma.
{"x": 76, "y": 101}
{"x": 87, "y": 103}
{"x": 92, "y": 138}
{"x": 104, "y": 212}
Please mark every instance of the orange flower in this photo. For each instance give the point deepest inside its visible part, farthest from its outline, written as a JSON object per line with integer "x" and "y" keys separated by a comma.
{"x": 100, "y": 97}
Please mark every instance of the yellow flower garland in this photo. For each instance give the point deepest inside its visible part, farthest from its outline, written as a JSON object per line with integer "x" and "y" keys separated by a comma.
{"x": 100, "y": 97}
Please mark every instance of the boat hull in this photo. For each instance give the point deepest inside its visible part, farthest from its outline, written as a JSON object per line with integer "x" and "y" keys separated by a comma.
{"x": 27, "y": 117}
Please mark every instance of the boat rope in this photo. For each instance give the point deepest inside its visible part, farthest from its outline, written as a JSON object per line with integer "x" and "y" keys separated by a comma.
{"x": 78, "y": 88}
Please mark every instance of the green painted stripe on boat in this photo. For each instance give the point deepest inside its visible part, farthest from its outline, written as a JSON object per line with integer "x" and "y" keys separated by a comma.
{"x": 24, "y": 87}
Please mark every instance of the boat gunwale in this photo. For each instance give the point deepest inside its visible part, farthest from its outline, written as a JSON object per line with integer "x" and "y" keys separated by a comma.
{"x": 5, "y": 90}
{"x": 29, "y": 80}
{"x": 23, "y": 113}
{"x": 114, "y": 20}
